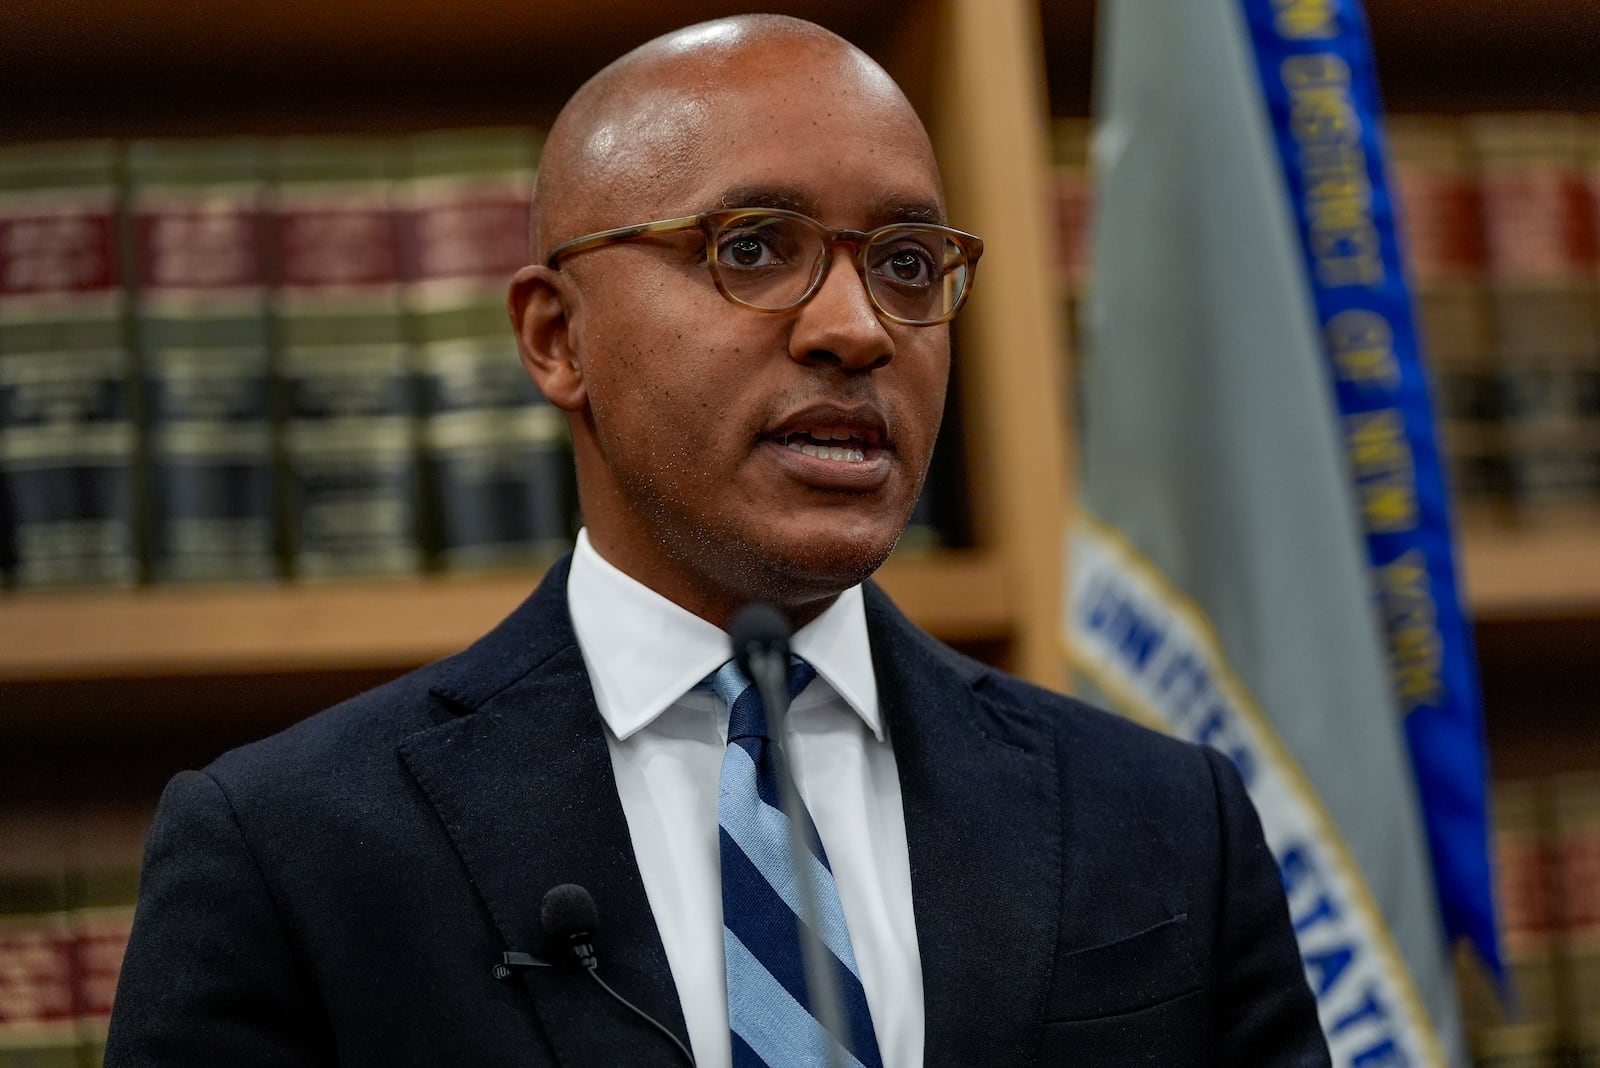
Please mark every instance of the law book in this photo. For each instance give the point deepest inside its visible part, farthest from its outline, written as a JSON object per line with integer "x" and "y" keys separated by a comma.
{"x": 1541, "y": 245}
{"x": 199, "y": 240}
{"x": 68, "y": 431}
{"x": 1441, "y": 220}
{"x": 100, "y": 907}
{"x": 344, "y": 368}
{"x": 1070, "y": 201}
{"x": 1589, "y": 373}
{"x": 1575, "y": 839}
{"x": 1070, "y": 212}
{"x": 1522, "y": 1025}
{"x": 38, "y": 990}
{"x": 496, "y": 457}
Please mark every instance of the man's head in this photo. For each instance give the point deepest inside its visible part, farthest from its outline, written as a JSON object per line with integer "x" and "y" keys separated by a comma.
{"x": 698, "y": 423}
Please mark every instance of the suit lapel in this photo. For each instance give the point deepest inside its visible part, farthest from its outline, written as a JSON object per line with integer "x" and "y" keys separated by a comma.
{"x": 522, "y": 781}
{"x": 983, "y": 827}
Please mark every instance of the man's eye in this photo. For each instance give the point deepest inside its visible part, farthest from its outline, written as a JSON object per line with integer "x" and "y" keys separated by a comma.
{"x": 748, "y": 250}
{"x": 908, "y": 265}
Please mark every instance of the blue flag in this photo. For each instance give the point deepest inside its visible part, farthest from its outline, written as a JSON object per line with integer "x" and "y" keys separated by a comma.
{"x": 1264, "y": 562}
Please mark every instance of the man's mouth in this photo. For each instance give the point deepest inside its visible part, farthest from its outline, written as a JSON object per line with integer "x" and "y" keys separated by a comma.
{"x": 839, "y": 444}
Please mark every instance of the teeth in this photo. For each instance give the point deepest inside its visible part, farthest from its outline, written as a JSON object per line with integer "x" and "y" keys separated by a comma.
{"x": 823, "y": 452}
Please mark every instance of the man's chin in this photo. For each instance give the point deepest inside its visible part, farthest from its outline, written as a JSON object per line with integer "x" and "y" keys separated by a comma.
{"x": 827, "y": 566}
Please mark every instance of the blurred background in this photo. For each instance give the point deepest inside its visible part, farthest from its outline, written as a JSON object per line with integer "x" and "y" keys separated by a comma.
{"x": 264, "y": 442}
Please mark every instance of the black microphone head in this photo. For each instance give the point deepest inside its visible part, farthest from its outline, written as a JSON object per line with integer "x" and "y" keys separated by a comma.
{"x": 568, "y": 915}
{"x": 759, "y": 628}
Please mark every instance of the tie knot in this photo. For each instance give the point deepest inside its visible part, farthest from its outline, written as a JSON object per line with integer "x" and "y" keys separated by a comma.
{"x": 746, "y": 716}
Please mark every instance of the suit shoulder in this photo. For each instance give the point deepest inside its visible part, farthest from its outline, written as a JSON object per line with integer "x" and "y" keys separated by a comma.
{"x": 1017, "y": 711}
{"x": 358, "y": 736}
{"x": 1082, "y": 724}
{"x": 340, "y": 740}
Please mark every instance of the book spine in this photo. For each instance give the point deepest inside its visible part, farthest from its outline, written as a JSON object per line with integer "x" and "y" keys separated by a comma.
{"x": 1527, "y": 1028}
{"x": 68, "y": 433}
{"x": 1576, "y": 845}
{"x": 37, "y": 973}
{"x": 1442, "y": 227}
{"x": 344, "y": 364}
{"x": 201, "y": 324}
{"x": 1071, "y": 203}
{"x": 1541, "y": 256}
{"x": 1071, "y": 211}
{"x": 100, "y": 918}
{"x": 496, "y": 455}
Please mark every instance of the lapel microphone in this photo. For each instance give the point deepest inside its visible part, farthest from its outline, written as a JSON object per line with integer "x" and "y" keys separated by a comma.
{"x": 571, "y": 925}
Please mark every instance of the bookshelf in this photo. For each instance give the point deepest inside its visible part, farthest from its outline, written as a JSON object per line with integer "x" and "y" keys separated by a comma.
{"x": 226, "y": 632}
{"x": 358, "y": 67}
{"x": 105, "y": 693}
{"x": 974, "y": 68}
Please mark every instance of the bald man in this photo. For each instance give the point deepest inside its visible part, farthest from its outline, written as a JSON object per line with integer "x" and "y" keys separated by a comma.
{"x": 742, "y": 284}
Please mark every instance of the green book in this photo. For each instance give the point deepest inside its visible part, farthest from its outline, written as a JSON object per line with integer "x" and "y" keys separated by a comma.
{"x": 496, "y": 457}
{"x": 68, "y": 433}
{"x": 198, "y": 215}
{"x": 343, "y": 361}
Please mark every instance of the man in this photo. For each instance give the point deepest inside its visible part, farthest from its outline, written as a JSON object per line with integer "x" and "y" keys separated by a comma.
{"x": 753, "y": 396}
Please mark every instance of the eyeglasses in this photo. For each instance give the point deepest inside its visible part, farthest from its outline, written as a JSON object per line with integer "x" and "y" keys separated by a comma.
{"x": 768, "y": 259}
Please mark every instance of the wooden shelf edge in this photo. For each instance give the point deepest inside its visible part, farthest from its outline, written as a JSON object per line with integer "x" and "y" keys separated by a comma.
{"x": 158, "y": 632}
{"x": 1531, "y": 573}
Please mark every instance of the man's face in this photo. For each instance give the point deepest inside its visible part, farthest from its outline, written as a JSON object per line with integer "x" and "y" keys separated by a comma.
{"x": 712, "y": 480}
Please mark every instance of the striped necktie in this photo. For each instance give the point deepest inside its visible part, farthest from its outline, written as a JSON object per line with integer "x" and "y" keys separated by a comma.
{"x": 770, "y": 1013}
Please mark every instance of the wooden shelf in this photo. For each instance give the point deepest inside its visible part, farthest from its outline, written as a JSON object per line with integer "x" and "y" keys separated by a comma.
{"x": 367, "y": 626}
{"x": 1532, "y": 573}
{"x": 961, "y": 597}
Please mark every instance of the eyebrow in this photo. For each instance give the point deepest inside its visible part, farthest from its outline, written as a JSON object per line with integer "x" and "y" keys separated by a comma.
{"x": 894, "y": 208}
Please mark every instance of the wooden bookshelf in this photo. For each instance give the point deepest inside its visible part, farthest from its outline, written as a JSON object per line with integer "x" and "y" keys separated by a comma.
{"x": 134, "y": 68}
{"x": 1532, "y": 574}
{"x": 361, "y": 626}
{"x": 373, "y": 626}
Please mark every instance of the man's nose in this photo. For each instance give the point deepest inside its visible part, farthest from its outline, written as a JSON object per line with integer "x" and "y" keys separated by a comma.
{"x": 839, "y": 324}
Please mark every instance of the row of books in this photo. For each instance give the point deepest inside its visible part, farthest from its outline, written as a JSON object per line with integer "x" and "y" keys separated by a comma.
{"x": 68, "y": 884}
{"x": 237, "y": 359}
{"x": 1547, "y": 850}
{"x": 241, "y": 360}
{"x": 62, "y": 939}
{"x": 1500, "y": 223}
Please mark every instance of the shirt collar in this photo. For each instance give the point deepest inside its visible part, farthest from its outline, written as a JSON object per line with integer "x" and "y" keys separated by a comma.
{"x": 643, "y": 652}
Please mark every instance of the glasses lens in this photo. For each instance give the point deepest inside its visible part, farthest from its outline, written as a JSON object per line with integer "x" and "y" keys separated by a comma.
{"x": 767, "y": 261}
{"x": 916, "y": 273}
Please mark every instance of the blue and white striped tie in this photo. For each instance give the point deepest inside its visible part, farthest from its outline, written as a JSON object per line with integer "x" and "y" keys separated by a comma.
{"x": 769, "y": 1011}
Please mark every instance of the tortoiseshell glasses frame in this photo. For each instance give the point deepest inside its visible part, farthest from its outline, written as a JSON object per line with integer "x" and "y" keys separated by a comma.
{"x": 914, "y": 273}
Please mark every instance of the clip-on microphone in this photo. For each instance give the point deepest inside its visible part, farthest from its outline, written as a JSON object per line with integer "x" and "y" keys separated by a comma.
{"x": 571, "y": 925}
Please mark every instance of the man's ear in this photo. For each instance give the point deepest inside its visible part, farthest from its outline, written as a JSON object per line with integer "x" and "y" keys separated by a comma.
{"x": 539, "y": 303}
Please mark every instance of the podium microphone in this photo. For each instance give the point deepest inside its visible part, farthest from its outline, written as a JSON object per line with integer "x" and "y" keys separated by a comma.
{"x": 759, "y": 635}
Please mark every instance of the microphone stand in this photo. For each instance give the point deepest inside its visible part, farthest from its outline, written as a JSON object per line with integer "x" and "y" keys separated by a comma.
{"x": 769, "y": 668}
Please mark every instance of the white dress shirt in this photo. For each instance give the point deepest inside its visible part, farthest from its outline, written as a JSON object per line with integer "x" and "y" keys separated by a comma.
{"x": 644, "y": 655}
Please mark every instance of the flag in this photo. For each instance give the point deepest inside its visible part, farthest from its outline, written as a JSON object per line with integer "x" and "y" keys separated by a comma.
{"x": 1263, "y": 558}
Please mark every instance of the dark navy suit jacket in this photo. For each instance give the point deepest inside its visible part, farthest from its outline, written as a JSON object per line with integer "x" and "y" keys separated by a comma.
{"x": 1086, "y": 892}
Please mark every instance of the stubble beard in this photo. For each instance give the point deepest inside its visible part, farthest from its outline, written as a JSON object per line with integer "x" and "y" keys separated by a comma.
{"x": 736, "y": 569}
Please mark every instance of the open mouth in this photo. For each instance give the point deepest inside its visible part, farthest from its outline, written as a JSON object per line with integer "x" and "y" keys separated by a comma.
{"x": 839, "y": 444}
